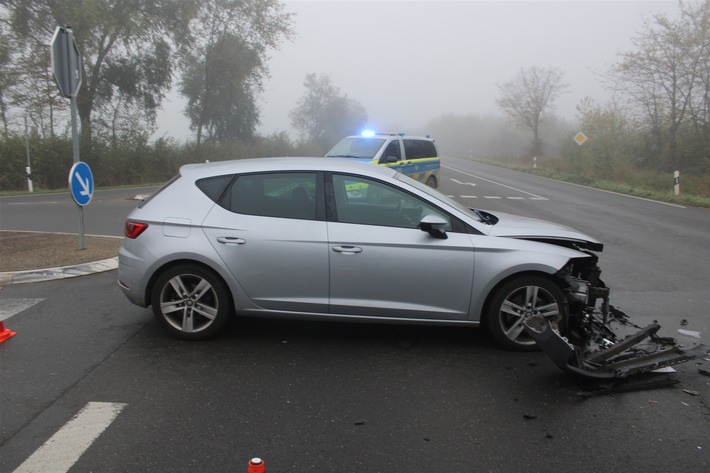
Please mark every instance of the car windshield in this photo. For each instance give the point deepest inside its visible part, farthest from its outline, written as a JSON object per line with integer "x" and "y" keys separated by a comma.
{"x": 356, "y": 147}
{"x": 438, "y": 196}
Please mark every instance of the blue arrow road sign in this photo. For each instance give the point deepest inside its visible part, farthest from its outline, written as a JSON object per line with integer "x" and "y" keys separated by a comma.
{"x": 81, "y": 183}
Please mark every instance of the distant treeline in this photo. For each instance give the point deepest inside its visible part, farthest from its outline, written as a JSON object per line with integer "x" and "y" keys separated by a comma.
{"x": 128, "y": 162}
{"x": 140, "y": 160}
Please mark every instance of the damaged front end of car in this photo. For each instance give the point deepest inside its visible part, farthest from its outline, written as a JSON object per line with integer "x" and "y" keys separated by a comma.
{"x": 590, "y": 342}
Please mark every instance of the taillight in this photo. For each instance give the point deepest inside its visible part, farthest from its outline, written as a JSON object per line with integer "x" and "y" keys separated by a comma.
{"x": 133, "y": 229}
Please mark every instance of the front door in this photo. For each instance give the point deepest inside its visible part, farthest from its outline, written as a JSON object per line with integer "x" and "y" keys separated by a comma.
{"x": 383, "y": 265}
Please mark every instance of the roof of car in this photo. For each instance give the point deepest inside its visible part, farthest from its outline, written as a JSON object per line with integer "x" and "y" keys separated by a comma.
{"x": 391, "y": 135}
{"x": 237, "y": 166}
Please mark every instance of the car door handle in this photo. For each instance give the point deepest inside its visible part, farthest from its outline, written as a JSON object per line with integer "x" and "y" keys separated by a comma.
{"x": 347, "y": 249}
{"x": 231, "y": 241}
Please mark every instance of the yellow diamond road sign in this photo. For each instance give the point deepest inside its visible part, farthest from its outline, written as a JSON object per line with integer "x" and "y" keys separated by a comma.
{"x": 580, "y": 138}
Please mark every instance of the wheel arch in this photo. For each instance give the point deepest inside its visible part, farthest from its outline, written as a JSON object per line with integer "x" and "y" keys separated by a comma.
{"x": 184, "y": 261}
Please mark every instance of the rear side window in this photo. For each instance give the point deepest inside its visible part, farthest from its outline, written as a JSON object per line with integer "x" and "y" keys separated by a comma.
{"x": 417, "y": 149}
{"x": 214, "y": 187}
{"x": 284, "y": 195}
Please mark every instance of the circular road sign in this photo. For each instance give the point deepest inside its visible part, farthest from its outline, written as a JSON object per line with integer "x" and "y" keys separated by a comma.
{"x": 81, "y": 183}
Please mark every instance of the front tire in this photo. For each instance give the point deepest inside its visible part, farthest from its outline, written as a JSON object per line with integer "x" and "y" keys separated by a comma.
{"x": 518, "y": 300}
{"x": 191, "y": 302}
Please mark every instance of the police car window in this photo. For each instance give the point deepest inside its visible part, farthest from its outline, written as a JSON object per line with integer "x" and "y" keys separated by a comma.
{"x": 392, "y": 150}
{"x": 428, "y": 149}
{"x": 285, "y": 195}
{"x": 368, "y": 202}
{"x": 417, "y": 149}
{"x": 356, "y": 148}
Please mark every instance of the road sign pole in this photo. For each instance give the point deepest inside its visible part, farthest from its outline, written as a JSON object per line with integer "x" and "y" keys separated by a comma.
{"x": 75, "y": 141}
{"x": 66, "y": 63}
{"x": 74, "y": 88}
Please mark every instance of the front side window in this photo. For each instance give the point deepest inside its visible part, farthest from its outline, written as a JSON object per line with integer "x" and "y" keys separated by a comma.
{"x": 392, "y": 153}
{"x": 284, "y": 195}
{"x": 368, "y": 202}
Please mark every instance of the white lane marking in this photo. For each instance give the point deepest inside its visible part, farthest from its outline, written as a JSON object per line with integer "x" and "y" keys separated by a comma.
{"x": 469, "y": 197}
{"x": 679, "y": 206}
{"x": 537, "y": 197}
{"x": 10, "y": 307}
{"x": 464, "y": 183}
{"x": 61, "y": 452}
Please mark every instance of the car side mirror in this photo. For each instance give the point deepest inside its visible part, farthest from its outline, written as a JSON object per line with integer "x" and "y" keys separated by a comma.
{"x": 434, "y": 225}
{"x": 390, "y": 159}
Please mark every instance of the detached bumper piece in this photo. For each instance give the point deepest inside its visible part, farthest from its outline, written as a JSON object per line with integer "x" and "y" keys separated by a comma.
{"x": 602, "y": 355}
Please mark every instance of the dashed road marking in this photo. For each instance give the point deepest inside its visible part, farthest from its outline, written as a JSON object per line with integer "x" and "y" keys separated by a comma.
{"x": 531, "y": 195}
{"x": 464, "y": 183}
{"x": 61, "y": 452}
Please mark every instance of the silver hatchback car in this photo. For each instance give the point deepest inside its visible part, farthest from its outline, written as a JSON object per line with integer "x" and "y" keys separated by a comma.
{"x": 333, "y": 239}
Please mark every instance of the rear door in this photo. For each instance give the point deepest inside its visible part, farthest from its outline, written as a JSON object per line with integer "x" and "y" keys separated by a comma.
{"x": 269, "y": 232}
{"x": 421, "y": 159}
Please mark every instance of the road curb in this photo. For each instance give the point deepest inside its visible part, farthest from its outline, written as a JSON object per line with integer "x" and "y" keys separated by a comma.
{"x": 38, "y": 275}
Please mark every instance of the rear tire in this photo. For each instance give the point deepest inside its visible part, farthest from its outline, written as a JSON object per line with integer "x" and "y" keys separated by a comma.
{"x": 519, "y": 299}
{"x": 431, "y": 182}
{"x": 191, "y": 302}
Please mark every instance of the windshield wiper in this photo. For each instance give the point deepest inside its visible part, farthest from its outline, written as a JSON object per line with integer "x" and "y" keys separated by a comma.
{"x": 485, "y": 217}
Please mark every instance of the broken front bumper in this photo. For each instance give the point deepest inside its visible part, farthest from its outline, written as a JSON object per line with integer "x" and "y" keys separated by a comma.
{"x": 597, "y": 352}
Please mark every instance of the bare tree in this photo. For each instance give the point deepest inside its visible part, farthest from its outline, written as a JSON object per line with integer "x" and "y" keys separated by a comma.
{"x": 528, "y": 96}
{"x": 666, "y": 79}
{"x": 324, "y": 115}
{"x": 223, "y": 71}
{"x": 127, "y": 48}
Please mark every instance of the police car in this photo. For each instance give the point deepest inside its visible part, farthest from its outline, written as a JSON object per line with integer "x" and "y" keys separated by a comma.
{"x": 414, "y": 156}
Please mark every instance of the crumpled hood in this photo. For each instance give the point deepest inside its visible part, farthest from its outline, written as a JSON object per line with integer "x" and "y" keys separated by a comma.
{"x": 514, "y": 226}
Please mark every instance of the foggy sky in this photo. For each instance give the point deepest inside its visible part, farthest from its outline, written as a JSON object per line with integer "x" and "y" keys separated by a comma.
{"x": 408, "y": 62}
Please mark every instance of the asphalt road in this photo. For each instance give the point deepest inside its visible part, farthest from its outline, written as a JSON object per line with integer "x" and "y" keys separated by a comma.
{"x": 356, "y": 398}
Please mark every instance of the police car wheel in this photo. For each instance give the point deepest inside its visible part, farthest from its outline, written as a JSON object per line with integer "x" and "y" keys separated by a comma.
{"x": 431, "y": 182}
{"x": 191, "y": 302}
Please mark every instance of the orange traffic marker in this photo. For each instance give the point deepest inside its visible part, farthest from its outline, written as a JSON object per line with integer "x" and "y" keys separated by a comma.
{"x": 256, "y": 465}
{"x": 5, "y": 333}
